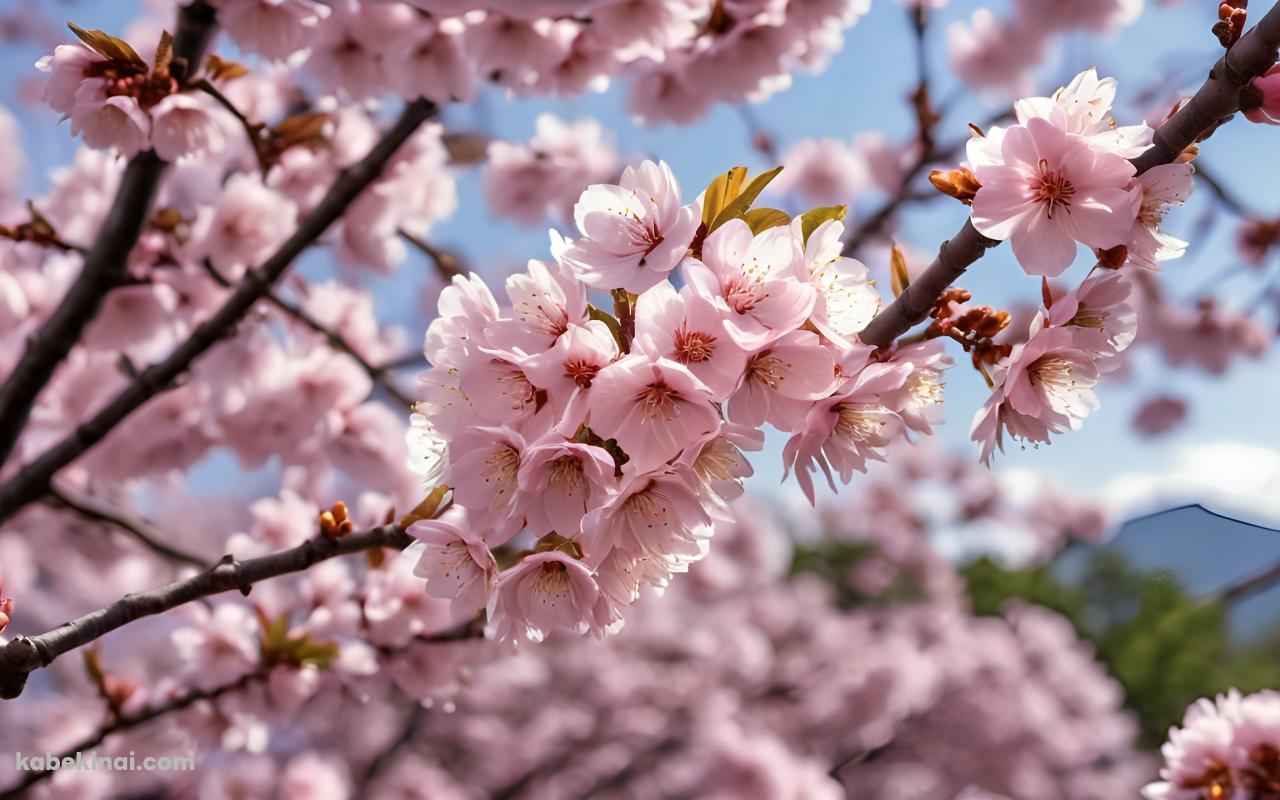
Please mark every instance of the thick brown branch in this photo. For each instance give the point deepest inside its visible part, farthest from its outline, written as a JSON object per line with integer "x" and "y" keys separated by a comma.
{"x": 95, "y": 510}
{"x": 33, "y": 480}
{"x": 1252, "y": 56}
{"x": 105, "y": 264}
{"x": 25, "y": 654}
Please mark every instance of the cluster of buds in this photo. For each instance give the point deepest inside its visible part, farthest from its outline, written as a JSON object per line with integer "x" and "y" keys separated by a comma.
{"x": 335, "y": 523}
{"x": 1232, "y": 15}
{"x": 973, "y": 327}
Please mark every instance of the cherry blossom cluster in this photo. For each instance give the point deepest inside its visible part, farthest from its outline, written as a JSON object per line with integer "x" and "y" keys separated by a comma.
{"x": 1228, "y": 747}
{"x": 116, "y": 99}
{"x": 615, "y": 441}
{"x": 681, "y": 55}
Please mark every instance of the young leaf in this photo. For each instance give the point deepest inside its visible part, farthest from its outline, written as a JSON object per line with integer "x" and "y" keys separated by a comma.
{"x": 720, "y": 191}
{"x": 738, "y": 206}
{"x": 164, "y": 56}
{"x": 899, "y": 280}
{"x": 810, "y": 221}
{"x": 762, "y": 219}
{"x": 106, "y": 45}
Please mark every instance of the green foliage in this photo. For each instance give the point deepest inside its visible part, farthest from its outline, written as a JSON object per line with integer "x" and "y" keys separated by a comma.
{"x": 833, "y": 560}
{"x": 1165, "y": 646}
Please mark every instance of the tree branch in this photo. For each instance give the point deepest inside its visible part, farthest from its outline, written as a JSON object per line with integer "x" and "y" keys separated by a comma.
{"x": 105, "y": 264}
{"x": 1249, "y": 58}
{"x": 25, "y": 654}
{"x": 94, "y": 510}
{"x": 132, "y": 721}
{"x": 464, "y": 631}
{"x": 32, "y": 481}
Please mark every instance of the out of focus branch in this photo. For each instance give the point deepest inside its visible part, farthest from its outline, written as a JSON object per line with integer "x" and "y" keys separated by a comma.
{"x": 105, "y": 264}
{"x": 1221, "y": 191}
{"x": 463, "y": 631}
{"x": 26, "y": 654}
{"x": 447, "y": 264}
{"x": 335, "y": 340}
{"x": 1249, "y": 58}
{"x": 94, "y": 510}
{"x": 33, "y": 480}
{"x": 125, "y": 723}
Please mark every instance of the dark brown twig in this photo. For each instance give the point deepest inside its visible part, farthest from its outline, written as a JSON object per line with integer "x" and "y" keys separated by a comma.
{"x": 25, "y": 654}
{"x": 95, "y": 510}
{"x": 33, "y": 480}
{"x": 105, "y": 264}
{"x": 1252, "y": 56}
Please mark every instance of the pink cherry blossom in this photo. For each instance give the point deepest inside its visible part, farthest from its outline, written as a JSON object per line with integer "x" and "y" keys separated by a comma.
{"x": 181, "y": 126}
{"x": 542, "y": 593}
{"x": 846, "y": 301}
{"x": 114, "y": 122}
{"x": 544, "y": 304}
{"x": 1159, "y": 415}
{"x": 6, "y": 607}
{"x": 758, "y": 282}
{"x": 429, "y": 62}
{"x": 850, "y": 427}
{"x": 781, "y": 381}
{"x": 562, "y": 481}
{"x": 1045, "y": 190}
{"x": 466, "y": 308}
{"x": 1100, "y": 304}
{"x": 569, "y": 369}
{"x": 247, "y": 224}
{"x": 687, "y": 328}
{"x": 658, "y": 515}
{"x": 455, "y": 561}
{"x": 274, "y": 28}
{"x": 1163, "y": 186}
{"x": 1046, "y": 387}
{"x": 654, "y": 409}
{"x": 823, "y": 171}
{"x": 484, "y": 472}
{"x": 633, "y": 233}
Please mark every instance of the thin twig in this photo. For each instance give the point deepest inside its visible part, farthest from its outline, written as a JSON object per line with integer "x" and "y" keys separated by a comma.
{"x": 1252, "y": 56}
{"x": 337, "y": 341}
{"x": 447, "y": 265}
{"x": 106, "y": 263}
{"x": 25, "y": 654}
{"x": 33, "y": 480}
{"x": 94, "y": 510}
{"x": 125, "y": 723}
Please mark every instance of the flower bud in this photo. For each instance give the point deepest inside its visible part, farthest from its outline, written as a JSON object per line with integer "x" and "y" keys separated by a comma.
{"x": 958, "y": 183}
{"x": 1260, "y": 100}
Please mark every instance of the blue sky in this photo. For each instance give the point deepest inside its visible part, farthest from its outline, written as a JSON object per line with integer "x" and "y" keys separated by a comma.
{"x": 863, "y": 90}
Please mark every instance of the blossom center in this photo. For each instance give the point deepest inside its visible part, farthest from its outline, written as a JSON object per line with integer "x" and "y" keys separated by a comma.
{"x": 659, "y": 400}
{"x": 694, "y": 347}
{"x": 566, "y": 475}
{"x": 1052, "y": 189}
{"x": 857, "y": 423}
{"x": 741, "y": 294}
{"x": 500, "y": 470}
{"x": 581, "y": 372}
{"x": 768, "y": 369}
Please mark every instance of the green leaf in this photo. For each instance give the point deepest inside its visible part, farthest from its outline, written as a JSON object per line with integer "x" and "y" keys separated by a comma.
{"x": 738, "y": 206}
{"x": 810, "y": 221}
{"x": 762, "y": 219}
{"x": 607, "y": 319}
{"x": 720, "y": 191}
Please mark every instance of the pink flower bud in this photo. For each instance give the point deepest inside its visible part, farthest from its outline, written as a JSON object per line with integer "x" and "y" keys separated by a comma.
{"x": 1267, "y": 110}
